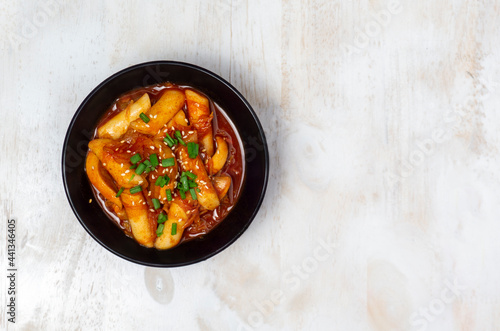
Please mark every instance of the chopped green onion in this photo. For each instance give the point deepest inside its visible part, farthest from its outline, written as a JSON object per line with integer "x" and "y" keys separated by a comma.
{"x": 120, "y": 192}
{"x": 183, "y": 195}
{"x": 162, "y": 218}
{"x": 131, "y": 177}
{"x": 168, "y": 162}
{"x": 135, "y": 158}
{"x": 192, "y": 150}
{"x": 144, "y": 117}
{"x": 169, "y": 140}
{"x": 189, "y": 174}
{"x": 159, "y": 230}
{"x": 154, "y": 160}
{"x": 140, "y": 168}
{"x": 174, "y": 229}
{"x": 160, "y": 181}
{"x": 192, "y": 183}
{"x": 169, "y": 195}
{"x": 184, "y": 182}
{"x": 136, "y": 189}
{"x": 133, "y": 166}
{"x": 148, "y": 169}
{"x": 193, "y": 194}
{"x": 179, "y": 137}
{"x": 156, "y": 203}
{"x": 198, "y": 190}
{"x": 147, "y": 162}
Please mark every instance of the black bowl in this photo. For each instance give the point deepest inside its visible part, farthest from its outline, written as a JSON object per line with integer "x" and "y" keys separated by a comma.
{"x": 80, "y": 131}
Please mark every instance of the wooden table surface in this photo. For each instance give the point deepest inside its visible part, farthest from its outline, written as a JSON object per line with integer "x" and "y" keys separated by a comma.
{"x": 382, "y": 209}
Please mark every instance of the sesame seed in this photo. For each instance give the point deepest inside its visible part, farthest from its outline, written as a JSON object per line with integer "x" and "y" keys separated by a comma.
{"x": 127, "y": 171}
{"x": 116, "y": 149}
{"x": 152, "y": 210}
{"x": 147, "y": 125}
{"x": 104, "y": 164}
{"x": 90, "y": 200}
{"x": 121, "y": 165}
{"x": 129, "y": 151}
{"x": 133, "y": 203}
{"x": 123, "y": 174}
{"x": 92, "y": 167}
{"x": 152, "y": 148}
{"x": 155, "y": 116}
{"x": 149, "y": 193}
{"x": 122, "y": 141}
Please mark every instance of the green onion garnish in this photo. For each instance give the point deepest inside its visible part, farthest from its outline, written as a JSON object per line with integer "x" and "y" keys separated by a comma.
{"x": 154, "y": 160}
{"x": 162, "y": 218}
{"x": 156, "y": 203}
{"x": 148, "y": 169}
{"x": 192, "y": 150}
{"x": 174, "y": 229}
{"x": 168, "y": 162}
{"x": 133, "y": 166}
{"x": 131, "y": 177}
{"x": 144, "y": 117}
{"x": 120, "y": 192}
{"x": 179, "y": 137}
{"x": 169, "y": 140}
{"x": 169, "y": 195}
{"x": 136, "y": 189}
{"x": 192, "y": 183}
{"x": 147, "y": 163}
{"x": 198, "y": 190}
{"x": 160, "y": 181}
{"x": 159, "y": 230}
{"x": 189, "y": 174}
{"x": 136, "y": 158}
{"x": 183, "y": 195}
{"x": 140, "y": 168}
{"x": 193, "y": 194}
{"x": 184, "y": 182}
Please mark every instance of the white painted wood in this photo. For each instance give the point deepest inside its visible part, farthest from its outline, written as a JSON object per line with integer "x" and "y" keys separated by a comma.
{"x": 382, "y": 122}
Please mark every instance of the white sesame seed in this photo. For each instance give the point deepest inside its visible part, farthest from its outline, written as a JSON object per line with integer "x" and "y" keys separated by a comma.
{"x": 123, "y": 174}
{"x": 127, "y": 171}
{"x": 92, "y": 167}
{"x": 152, "y": 210}
{"x": 155, "y": 116}
{"x": 121, "y": 165}
{"x": 147, "y": 125}
{"x": 133, "y": 203}
{"x": 149, "y": 193}
{"x": 116, "y": 149}
{"x": 129, "y": 151}
{"x": 152, "y": 148}
{"x": 122, "y": 141}
{"x": 104, "y": 164}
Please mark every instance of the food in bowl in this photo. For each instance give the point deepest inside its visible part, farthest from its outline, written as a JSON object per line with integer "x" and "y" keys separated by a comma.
{"x": 166, "y": 164}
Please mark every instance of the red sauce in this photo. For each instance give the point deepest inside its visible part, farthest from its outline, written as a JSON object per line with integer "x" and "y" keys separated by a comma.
{"x": 234, "y": 166}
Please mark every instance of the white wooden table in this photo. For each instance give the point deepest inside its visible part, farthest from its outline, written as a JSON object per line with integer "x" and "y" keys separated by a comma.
{"x": 382, "y": 210}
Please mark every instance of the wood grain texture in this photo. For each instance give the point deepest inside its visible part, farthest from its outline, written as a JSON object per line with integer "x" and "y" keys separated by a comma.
{"x": 382, "y": 123}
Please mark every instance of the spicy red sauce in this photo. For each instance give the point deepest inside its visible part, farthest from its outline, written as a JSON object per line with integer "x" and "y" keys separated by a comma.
{"x": 234, "y": 167}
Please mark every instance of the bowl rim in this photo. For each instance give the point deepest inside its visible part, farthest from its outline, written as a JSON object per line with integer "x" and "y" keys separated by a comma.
{"x": 229, "y": 86}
